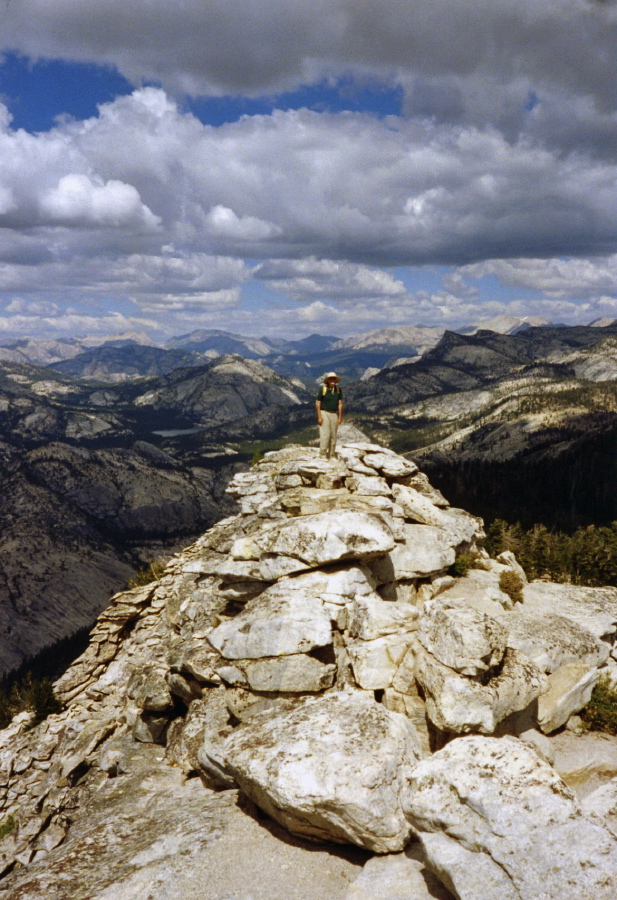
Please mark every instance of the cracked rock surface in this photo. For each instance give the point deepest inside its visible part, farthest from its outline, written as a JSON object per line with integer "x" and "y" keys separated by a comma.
{"x": 310, "y": 674}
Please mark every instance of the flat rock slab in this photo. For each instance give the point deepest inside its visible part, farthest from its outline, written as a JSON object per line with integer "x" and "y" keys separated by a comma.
{"x": 288, "y": 674}
{"x": 151, "y": 835}
{"x": 398, "y": 876}
{"x": 276, "y": 623}
{"x": 331, "y": 768}
{"x": 585, "y": 761}
{"x": 329, "y": 537}
{"x": 498, "y": 823}
{"x": 593, "y": 608}
{"x": 303, "y": 501}
{"x": 552, "y": 640}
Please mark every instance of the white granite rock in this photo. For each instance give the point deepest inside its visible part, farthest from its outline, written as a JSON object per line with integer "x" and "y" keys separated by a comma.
{"x": 585, "y": 761}
{"x": 339, "y": 585}
{"x": 419, "y": 482}
{"x": 567, "y": 691}
{"x": 551, "y": 640}
{"x": 459, "y": 704}
{"x": 276, "y": 623}
{"x": 602, "y": 804}
{"x": 540, "y": 743}
{"x": 507, "y": 558}
{"x": 427, "y": 550}
{"x": 288, "y": 674}
{"x": 594, "y": 609}
{"x": 369, "y": 485}
{"x": 371, "y": 617}
{"x": 481, "y": 590}
{"x": 416, "y": 506}
{"x": 375, "y": 662}
{"x": 331, "y": 768}
{"x": 497, "y": 823}
{"x": 460, "y": 637}
{"x": 462, "y": 528}
{"x": 390, "y": 465}
{"x": 398, "y": 876}
{"x": 329, "y": 537}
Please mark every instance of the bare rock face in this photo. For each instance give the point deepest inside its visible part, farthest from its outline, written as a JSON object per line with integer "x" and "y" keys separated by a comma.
{"x": 458, "y": 704}
{"x": 497, "y": 822}
{"x": 312, "y": 650}
{"x": 398, "y": 876}
{"x": 276, "y": 623}
{"x": 567, "y": 691}
{"x": 329, "y": 537}
{"x": 601, "y": 804}
{"x": 459, "y": 637}
{"x": 427, "y": 550}
{"x": 329, "y": 769}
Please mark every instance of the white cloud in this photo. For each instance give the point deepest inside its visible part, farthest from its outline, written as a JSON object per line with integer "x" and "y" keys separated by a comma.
{"x": 225, "y": 223}
{"x": 7, "y": 200}
{"x": 32, "y": 308}
{"x": 567, "y": 278}
{"x": 300, "y": 184}
{"x": 302, "y": 280}
{"x": 451, "y": 46}
{"x": 505, "y": 164}
{"x": 78, "y": 199}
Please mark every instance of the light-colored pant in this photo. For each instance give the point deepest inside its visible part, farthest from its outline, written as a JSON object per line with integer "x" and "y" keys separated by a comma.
{"x": 327, "y": 433}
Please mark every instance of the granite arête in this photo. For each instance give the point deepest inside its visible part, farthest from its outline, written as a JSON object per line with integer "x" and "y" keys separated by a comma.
{"x": 309, "y": 704}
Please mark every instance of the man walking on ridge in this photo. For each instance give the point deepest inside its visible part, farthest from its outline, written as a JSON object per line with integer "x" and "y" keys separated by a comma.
{"x": 329, "y": 406}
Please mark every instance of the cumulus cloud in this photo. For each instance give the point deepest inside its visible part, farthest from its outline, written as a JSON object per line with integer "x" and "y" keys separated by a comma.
{"x": 224, "y": 222}
{"x": 247, "y": 47}
{"x": 32, "y": 308}
{"x": 567, "y": 278}
{"x": 503, "y": 164}
{"x": 78, "y": 199}
{"x": 303, "y": 280}
{"x": 300, "y": 183}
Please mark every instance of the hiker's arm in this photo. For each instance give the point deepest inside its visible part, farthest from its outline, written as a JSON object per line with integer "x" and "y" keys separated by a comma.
{"x": 340, "y": 411}
{"x": 318, "y": 411}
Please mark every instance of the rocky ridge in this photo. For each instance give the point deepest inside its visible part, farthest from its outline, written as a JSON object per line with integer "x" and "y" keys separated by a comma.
{"x": 90, "y": 491}
{"x": 311, "y": 667}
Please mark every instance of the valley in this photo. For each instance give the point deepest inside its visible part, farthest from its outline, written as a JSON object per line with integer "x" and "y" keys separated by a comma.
{"x": 101, "y": 475}
{"x": 90, "y": 493}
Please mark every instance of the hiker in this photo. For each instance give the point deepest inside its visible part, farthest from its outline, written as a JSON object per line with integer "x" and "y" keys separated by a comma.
{"x": 329, "y": 406}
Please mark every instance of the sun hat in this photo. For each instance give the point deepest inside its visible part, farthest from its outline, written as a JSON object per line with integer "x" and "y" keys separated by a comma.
{"x": 331, "y": 375}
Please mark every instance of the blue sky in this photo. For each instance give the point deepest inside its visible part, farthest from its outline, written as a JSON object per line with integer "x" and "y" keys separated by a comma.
{"x": 312, "y": 166}
{"x": 41, "y": 91}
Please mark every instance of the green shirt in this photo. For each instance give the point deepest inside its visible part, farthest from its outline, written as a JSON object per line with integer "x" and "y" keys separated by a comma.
{"x": 329, "y": 399}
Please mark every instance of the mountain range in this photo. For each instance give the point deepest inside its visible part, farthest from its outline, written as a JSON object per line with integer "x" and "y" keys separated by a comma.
{"x": 520, "y": 426}
{"x": 89, "y": 493}
{"x": 106, "y": 468}
{"x": 129, "y": 356}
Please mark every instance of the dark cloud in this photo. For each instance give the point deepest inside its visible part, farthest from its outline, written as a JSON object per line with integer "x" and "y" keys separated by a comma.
{"x": 507, "y": 150}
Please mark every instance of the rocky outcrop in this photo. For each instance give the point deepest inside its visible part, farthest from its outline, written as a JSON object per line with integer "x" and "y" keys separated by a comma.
{"x": 330, "y": 769}
{"x": 497, "y": 822}
{"x": 313, "y": 653}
